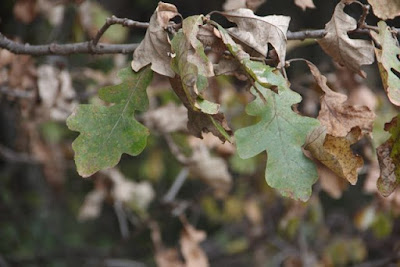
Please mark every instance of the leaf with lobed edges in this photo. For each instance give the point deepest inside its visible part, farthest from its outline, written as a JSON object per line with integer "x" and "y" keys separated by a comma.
{"x": 108, "y": 132}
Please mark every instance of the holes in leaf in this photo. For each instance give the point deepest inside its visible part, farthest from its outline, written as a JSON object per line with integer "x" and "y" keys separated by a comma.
{"x": 395, "y": 72}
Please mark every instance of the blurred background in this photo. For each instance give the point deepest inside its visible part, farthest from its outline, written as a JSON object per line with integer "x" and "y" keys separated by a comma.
{"x": 151, "y": 210}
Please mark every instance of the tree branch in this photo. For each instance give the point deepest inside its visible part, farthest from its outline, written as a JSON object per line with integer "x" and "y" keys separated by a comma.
{"x": 114, "y": 20}
{"x": 94, "y": 47}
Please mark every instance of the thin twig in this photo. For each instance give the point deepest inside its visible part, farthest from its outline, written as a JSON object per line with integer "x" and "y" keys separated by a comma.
{"x": 114, "y": 20}
{"x": 122, "y": 219}
{"x": 13, "y": 156}
{"x": 65, "y": 49}
{"x": 176, "y": 186}
{"x": 101, "y": 48}
{"x": 18, "y": 93}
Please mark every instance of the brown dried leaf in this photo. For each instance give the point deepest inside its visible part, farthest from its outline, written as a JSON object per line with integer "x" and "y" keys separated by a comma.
{"x": 200, "y": 122}
{"x": 236, "y": 4}
{"x": 336, "y": 114}
{"x": 387, "y": 181}
{"x": 138, "y": 195}
{"x": 389, "y": 159}
{"x": 387, "y": 9}
{"x": 351, "y": 53}
{"x": 167, "y": 119}
{"x": 25, "y": 10}
{"x": 335, "y": 152}
{"x": 211, "y": 170}
{"x": 91, "y": 207}
{"x": 192, "y": 253}
{"x": 304, "y": 4}
{"x": 56, "y": 92}
{"x": 256, "y": 32}
{"x": 155, "y": 47}
{"x": 164, "y": 257}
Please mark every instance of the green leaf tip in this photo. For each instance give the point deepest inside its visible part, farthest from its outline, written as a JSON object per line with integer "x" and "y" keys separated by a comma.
{"x": 108, "y": 132}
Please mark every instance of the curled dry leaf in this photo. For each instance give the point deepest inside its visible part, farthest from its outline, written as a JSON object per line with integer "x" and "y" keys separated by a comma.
{"x": 387, "y": 9}
{"x": 236, "y": 4}
{"x": 167, "y": 119}
{"x": 56, "y": 92}
{"x": 336, "y": 114}
{"x": 200, "y": 122}
{"x": 304, "y": 4}
{"x": 256, "y": 32}
{"x": 351, "y": 53}
{"x": 25, "y": 10}
{"x": 137, "y": 195}
{"x": 211, "y": 170}
{"x": 388, "y": 61}
{"x": 389, "y": 159}
{"x": 155, "y": 47}
{"x": 335, "y": 152}
{"x": 192, "y": 252}
{"x": 192, "y": 65}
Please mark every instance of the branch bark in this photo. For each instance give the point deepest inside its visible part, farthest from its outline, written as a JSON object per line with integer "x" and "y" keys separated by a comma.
{"x": 94, "y": 47}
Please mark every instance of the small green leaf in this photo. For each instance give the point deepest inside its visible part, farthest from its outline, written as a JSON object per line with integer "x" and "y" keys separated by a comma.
{"x": 281, "y": 132}
{"x": 108, "y": 132}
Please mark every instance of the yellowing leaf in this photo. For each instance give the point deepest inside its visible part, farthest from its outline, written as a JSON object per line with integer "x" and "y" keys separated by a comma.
{"x": 388, "y": 61}
{"x": 304, "y": 4}
{"x": 385, "y": 9}
{"x": 335, "y": 152}
{"x": 336, "y": 114}
{"x": 281, "y": 132}
{"x": 256, "y": 32}
{"x": 192, "y": 68}
{"x": 108, "y": 132}
{"x": 351, "y": 53}
{"x": 389, "y": 159}
{"x": 155, "y": 48}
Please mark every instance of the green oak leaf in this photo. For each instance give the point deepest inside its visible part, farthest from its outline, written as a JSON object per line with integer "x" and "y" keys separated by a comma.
{"x": 281, "y": 132}
{"x": 108, "y": 132}
{"x": 388, "y": 60}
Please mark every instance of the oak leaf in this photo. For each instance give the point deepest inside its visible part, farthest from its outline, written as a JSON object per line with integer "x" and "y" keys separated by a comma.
{"x": 388, "y": 61}
{"x": 351, "y": 53}
{"x": 281, "y": 132}
{"x": 199, "y": 122}
{"x": 192, "y": 252}
{"x": 108, "y": 132}
{"x": 155, "y": 47}
{"x": 256, "y": 32}
{"x": 336, "y": 114}
{"x": 335, "y": 152}
{"x": 389, "y": 159}
{"x": 388, "y": 9}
